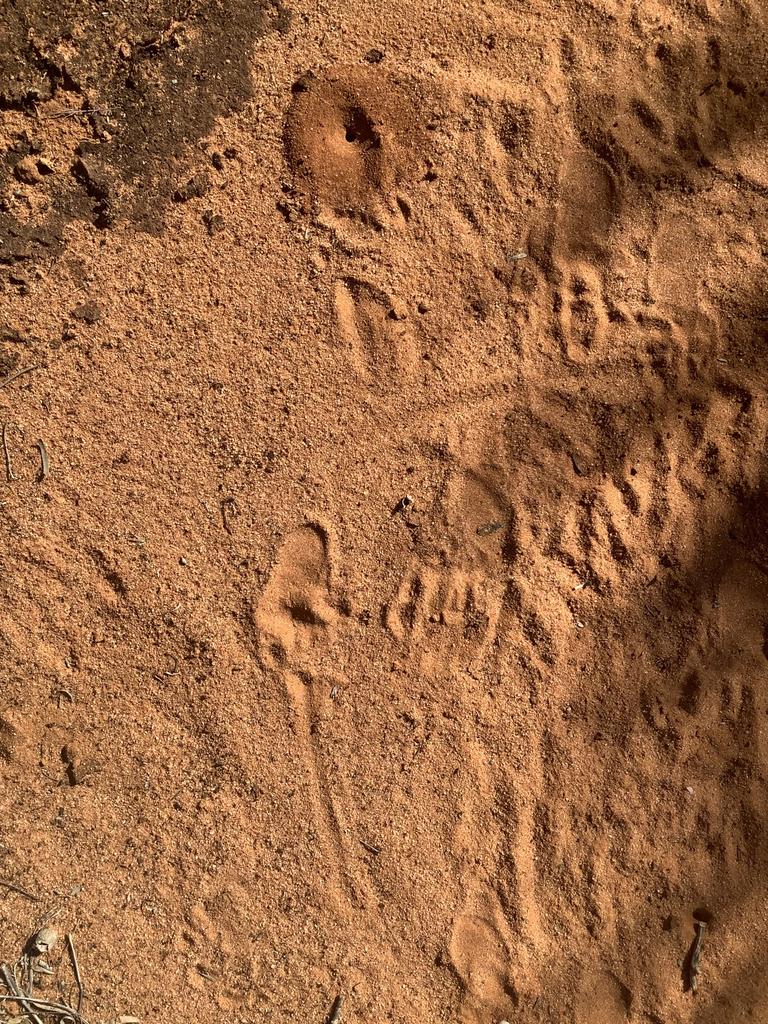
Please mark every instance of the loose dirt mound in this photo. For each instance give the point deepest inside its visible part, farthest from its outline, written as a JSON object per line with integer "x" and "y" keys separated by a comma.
{"x": 390, "y": 616}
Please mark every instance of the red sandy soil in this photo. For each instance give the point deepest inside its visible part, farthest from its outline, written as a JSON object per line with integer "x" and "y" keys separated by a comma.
{"x": 487, "y": 754}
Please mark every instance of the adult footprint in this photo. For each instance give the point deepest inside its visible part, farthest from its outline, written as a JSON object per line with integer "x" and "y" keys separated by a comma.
{"x": 602, "y": 999}
{"x": 480, "y": 951}
{"x": 296, "y": 608}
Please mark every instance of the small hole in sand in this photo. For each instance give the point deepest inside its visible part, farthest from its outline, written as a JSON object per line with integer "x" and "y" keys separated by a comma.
{"x": 359, "y": 130}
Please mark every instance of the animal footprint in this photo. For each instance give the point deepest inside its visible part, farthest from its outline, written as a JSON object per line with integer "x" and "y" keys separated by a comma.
{"x": 480, "y": 951}
{"x": 582, "y": 315}
{"x": 375, "y": 331}
{"x": 326, "y": 790}
{"x": 449, "y": 615}
{"x": 589, "y": 207}
{"x": 483, "y": 524}
{"x": 295, "y": 620}
{"x": 449, "y": 618}
{"x": 602, "y": 999}
{"x": 296, "y": 607}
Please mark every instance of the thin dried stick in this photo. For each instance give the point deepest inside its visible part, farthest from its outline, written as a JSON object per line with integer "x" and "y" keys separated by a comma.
{"x": 26, "y": 964}
{"x": 77, "y": 113}
{"x": 45, "y": 466}
{"x": 76, "y": 969}
{"x": 8, "y": 468}
{"x": 17, "y": 888}
{"x": 16, "y": 994}
{"x": 27, "y": 369}
{"x": 44, "y": 1006}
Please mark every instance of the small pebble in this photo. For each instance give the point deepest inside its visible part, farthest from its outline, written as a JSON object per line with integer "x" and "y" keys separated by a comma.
{"x": 88, "y": 312}
{"x": 194, "y": 189}
{"x": 44, "y": 940}
{"x": 26, "y": 170}
{"x": 689, "y": 790}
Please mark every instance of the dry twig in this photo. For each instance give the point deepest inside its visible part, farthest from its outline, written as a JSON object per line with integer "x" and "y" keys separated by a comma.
{"x": 8, "y": 468}
{"x": 13, "y": 376}
{"x": 17, "y": 888}
{"x": 78, "y": 112}
{"x": 9, "y": 980}
{"x": 45, "y": 466}
{"x": 76, "y": 970}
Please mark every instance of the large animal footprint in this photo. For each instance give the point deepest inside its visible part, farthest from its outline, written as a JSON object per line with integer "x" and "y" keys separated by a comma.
{"x": 448, "y": 618}
{"x": 375, "y": 331}
{"x": 296, "y": 608}
{"x": 481, "y": 953}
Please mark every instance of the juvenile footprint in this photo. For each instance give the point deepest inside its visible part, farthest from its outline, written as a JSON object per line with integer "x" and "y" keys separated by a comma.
{"x": 296, "y": 608}
{"x": 582, "y": 315}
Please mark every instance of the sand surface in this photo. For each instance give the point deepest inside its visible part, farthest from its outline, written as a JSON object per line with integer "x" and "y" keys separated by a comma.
{"x": 389, "y": 618}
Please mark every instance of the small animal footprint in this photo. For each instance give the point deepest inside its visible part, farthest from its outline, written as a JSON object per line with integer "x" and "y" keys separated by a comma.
{"x": 295, "y": 620}
{"x": 375, "y": 330}
{"x": 582, "y": 315}
{"x": 482, "y": 523}
{"x": 589, "y": 207}
{"x": 296, "y": 607}
{"x": 327, "y": 793}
